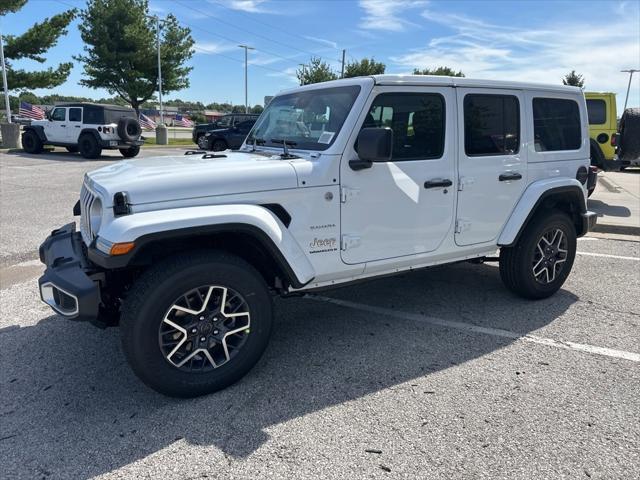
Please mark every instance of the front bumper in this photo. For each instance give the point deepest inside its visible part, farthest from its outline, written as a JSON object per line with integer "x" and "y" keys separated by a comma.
{"x": 588, "y": 222}
{"x": 67, "y": 285}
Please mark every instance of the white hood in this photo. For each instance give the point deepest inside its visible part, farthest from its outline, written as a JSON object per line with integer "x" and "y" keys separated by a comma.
{"x": 150, "y": 180}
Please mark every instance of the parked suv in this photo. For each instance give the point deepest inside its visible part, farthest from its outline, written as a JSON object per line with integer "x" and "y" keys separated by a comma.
{"x": 225, "y": 121}
{"x": 86, "y": 127}
{"x": 337, "y": 182}
{"x": 221, "y": 139}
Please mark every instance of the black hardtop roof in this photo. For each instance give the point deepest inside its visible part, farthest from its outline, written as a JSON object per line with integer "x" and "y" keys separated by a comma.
{"x": 106, "y": 106}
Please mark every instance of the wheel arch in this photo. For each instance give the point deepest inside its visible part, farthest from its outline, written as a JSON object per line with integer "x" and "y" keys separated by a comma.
{"x": 566, "y": 195}
{"x": 90, "y": 131}
{"x": 251, "y": 232}
{"x": 38, "y": 130}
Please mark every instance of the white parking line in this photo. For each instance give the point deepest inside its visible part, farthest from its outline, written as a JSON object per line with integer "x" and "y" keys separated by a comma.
{"x": 606, "y": 255}
{"x": 496, "y": 332}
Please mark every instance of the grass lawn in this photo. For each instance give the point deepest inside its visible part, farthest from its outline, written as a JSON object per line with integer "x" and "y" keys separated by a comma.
{"x": 172, "y": 141}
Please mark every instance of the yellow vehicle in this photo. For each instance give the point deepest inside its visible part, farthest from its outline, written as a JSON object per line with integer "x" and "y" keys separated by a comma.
{"x": 603, "y": 124}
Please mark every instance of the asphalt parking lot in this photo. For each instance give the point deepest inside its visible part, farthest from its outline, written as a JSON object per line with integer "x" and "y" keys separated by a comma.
{"x": 439, "y": 373}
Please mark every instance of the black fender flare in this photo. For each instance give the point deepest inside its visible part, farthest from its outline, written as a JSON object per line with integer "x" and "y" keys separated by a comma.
{"x": 93, "y": 132}
{"x": 136, "y": 256}
{"x": 39, "y": 130}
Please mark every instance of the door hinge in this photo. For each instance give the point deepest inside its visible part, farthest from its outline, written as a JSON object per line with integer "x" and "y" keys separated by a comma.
{"x": 349, "y": 241}
{"x": 464, "y": 181}
{"x": 346, "y": 193}
{"x": 462, "y": 225}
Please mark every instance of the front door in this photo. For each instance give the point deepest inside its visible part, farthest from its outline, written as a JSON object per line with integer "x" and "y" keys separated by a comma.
{"x": 74, "y": 124}
{"x": 405, "y": 206}
{"x": 492, "y": 161}
{"x": 56, "y": 128}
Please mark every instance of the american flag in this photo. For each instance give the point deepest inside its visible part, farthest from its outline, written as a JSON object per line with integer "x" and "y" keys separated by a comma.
{"x": 183, "y": 121}
{"x": 146, "y": 123}
{"x": 31, "y": 111}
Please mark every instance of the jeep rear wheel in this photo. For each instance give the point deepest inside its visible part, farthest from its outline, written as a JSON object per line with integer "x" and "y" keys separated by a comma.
{"x": 196, "y": 323}
{"x": 31, "y": 143}
{"x": 130, "y": 152}
{"x": 89, "y": 147}
{"x": 539, "y": 263}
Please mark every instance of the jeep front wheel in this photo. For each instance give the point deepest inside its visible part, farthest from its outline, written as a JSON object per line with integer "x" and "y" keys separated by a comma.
{"x": 196, "y": 323}
{"x": 130, "y": 152}
{"x": 88, "y": 146}
{"x": 219, "y": 145}
{"x": 31, "y": 143}
{"x": 539, "y": 263}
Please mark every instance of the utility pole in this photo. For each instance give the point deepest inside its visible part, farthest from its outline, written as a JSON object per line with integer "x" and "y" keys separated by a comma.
{"x": 630, "y": 72}
{"x": 4, "y": 81}
{"x": 342, "y": 70}
{"x": 246, "y": 70}
{"x": 157, "y": 20}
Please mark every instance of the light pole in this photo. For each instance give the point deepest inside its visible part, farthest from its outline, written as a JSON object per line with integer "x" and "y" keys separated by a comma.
{"x": 246, "y": 69}
{"x": 630, "y": 72}
{"x": 157, "y": 20}
{"x": 4, "y": 81}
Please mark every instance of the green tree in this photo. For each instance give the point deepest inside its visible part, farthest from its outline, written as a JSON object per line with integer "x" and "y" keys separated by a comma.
{"x": 574, "y": 79}
{"x": 257, "y": 109}
{"x": 315, "y": 72}
{"x": 446, "y": 71}
{"x": 32, "y": 45}
{"x": 363, "y": 68}
{"x": 120, "y": 52}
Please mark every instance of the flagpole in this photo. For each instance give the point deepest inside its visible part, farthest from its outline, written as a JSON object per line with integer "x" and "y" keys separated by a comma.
{"x": 4, "y": 81}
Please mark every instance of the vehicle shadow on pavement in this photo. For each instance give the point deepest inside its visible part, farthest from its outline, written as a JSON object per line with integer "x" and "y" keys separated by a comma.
{"x": 64, "y": 156}
{"x": 604, "y": 209}
{"x": 72, "y": 408}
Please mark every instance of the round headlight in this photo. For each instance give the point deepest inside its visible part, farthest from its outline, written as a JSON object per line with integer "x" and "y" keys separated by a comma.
{"x": 95, "y": 215}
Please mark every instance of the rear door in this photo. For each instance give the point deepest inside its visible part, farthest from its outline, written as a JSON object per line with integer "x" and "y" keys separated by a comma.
{"x": 491, "y": 161}
{"x": 74, "y": 124}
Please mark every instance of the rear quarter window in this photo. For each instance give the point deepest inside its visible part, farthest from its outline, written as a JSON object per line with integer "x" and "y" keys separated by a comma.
{"x": 556, "y": 124}
{"x": 597, "y": 111}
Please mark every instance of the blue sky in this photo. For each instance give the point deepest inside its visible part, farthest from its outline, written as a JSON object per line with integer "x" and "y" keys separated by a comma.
{"x": 526, "y": 40}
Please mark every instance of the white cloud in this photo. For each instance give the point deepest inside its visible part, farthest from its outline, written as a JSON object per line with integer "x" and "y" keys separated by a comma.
{"x": 483, "y": 50}
{"x": 323, "y": 41}
{"x": 251, "y": 6}
{"x": 385, "y": 14}
{"x": 212, "y": 48}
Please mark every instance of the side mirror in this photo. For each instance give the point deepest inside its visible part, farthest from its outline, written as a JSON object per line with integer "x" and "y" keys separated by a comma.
{"x": 374, "y": 145}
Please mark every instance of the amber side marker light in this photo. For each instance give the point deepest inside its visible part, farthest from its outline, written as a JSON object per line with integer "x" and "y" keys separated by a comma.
{"x": 121, "y": 248}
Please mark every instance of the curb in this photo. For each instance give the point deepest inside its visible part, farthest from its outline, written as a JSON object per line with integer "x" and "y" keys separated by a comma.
{"x": 617, "y": 229}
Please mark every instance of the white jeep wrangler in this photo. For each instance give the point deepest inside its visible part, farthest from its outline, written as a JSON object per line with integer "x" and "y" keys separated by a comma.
{"x": 86, "y": 127}
{"x": 337, "y": 182}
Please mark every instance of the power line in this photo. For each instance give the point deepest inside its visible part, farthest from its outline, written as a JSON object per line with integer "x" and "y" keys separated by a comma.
{"x": 231, "y": 24}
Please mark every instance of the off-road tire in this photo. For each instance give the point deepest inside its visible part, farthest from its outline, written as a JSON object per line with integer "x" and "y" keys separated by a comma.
{"x": 219, "y": 145}
{"x": 630, "y": 135}
{"x": 516, "y": 261}
{"x": 88, "y": 146}
{"x": 153, "y": 294}
{"x": 72, "y": 149}
{"x": 130, "y": 152}
{"x": 129, "y": 129}
{"x": 31, "y": 143}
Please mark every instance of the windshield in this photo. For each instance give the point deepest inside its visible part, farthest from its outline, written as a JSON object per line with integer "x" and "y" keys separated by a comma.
{"x": 308, "y": 120}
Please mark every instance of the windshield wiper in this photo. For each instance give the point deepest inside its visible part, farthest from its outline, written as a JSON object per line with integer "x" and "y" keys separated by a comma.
{"x": 285, "y": 151}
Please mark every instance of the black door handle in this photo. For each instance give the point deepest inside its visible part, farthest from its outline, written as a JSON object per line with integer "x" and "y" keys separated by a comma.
{"x": 437, "y": 183}
{"x": 505, "y": 177}
{"x": 63, "y": 125}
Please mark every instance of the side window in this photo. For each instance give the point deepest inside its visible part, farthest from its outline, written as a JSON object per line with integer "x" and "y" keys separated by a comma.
{"x": 597, "y": 111}
{"x": 417, "y": 121}
{"x": 556, "y": 124}
{"x": 59, "y": 114}
{"x": 491, "y": 125}
{"x": 244, "y": 127}
{"x": 75, "y": 114}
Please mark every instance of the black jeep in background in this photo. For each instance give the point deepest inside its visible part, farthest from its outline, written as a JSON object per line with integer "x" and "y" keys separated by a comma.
{"x": 221, "y": 139}
{"x": 225, "y": 121}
